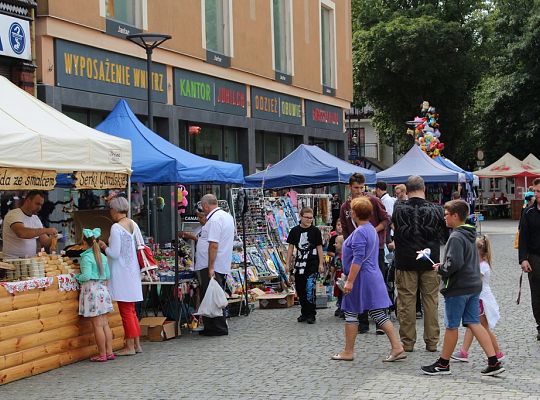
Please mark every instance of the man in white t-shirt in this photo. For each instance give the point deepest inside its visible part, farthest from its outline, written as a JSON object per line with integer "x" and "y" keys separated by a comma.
{"x": 214, "y": 256}
{"x": 387, "y": 200}
{"x": 22, "y": 228}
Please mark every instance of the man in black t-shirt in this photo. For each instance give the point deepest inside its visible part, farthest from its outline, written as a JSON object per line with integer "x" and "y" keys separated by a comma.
{"x": 309, "y": 261}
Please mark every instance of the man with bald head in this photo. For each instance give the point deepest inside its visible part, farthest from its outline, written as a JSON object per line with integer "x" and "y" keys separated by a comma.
{"x": 214, "y": 255}
{"x": 418, "y": 224}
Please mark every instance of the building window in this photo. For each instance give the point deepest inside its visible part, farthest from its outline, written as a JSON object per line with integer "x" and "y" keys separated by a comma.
{"x": 218, "y": 26}
{"x": 273, "y": 147}
{"x": 282, "y": 26}
{"x": 328, "y": 44}
{"x": 129, "y": 12}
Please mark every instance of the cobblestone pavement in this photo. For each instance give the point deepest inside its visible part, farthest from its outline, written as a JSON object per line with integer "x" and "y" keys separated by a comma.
{"x": 268, "y": 355}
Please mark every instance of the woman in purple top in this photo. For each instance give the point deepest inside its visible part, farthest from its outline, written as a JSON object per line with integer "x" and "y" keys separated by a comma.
{"x": 365, "y": 289}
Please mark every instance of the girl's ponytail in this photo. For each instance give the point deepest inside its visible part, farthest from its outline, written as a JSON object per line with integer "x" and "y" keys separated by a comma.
{"x": 483, "y": 245}
{"x": 90, "y": 236}
{"x": 97, "y": 255}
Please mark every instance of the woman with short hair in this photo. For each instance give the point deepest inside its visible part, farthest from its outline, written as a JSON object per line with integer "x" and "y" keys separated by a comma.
{"x": 365, "y": 289}
{"x": 125, "y": 283}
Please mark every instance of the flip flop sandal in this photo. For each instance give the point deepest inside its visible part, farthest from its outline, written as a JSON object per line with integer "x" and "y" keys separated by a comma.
{"x": 391, "y": 358}
{"x": 338, "y": 357}
{"x": 98, "y": 359}
{"x": 111, "y": 357}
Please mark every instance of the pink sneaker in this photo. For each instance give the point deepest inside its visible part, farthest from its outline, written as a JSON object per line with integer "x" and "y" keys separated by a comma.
{"x": 460, "y": 355}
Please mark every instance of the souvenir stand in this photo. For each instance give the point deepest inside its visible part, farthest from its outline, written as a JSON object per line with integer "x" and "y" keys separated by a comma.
{"x": 159, "y": 162}
{"x": 40, "y": 328}
{"x": 305, "y": 166}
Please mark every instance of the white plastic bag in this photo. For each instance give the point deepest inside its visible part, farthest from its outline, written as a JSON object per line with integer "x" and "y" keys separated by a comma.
{"x": 214, "y": 301}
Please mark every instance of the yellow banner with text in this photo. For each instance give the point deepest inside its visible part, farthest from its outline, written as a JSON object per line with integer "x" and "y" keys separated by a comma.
{"x": 100, "y": 180}
{"x": 26, "y": 179}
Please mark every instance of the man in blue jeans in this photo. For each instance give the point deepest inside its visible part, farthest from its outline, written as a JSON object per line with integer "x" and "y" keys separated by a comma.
{"x": 462, "y": 284}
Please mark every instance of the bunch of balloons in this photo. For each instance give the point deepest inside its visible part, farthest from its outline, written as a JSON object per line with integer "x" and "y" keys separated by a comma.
{"x": 426, "y": 131}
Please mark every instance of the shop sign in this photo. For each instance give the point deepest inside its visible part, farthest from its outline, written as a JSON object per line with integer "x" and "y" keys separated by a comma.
{"x": 94, "y": 70}
{"x": 209, "y": 93}
{"x": 218, "y": 59}
{"x": 276, "y": 106}
{"x": 100, "y": 180}
{"x": 323, "y": 116}
{"x": 15, "y": 37}
{"x": 120, "y": 29}
{"x": 26, "y": 179}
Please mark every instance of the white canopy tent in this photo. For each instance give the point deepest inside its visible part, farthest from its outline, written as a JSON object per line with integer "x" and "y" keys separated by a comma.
{"x": 34, "y": 135}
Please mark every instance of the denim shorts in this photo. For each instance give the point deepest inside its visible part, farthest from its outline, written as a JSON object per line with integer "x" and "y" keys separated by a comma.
{"x": 465, "y": 309}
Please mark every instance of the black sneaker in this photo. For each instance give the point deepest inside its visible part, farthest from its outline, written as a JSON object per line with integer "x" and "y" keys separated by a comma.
{"x": 492, "y": 370}
{"x": 436, "y": 369}
{"x": 310, "y": 320}
{"x": 301, "y": 318}
{"x": 363, "y": 329}
{"x": 379, "y": 331}
{"x": 337, "y": 313}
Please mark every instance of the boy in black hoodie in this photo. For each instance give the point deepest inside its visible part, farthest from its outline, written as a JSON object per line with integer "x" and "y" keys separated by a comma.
{"x": 461, "y": 286}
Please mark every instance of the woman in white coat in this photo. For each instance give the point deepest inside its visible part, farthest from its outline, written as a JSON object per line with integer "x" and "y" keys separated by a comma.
{"x": 125, "y": 284}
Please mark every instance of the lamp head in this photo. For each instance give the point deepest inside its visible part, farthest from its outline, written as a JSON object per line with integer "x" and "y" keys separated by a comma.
{"x": 148, "y": 41}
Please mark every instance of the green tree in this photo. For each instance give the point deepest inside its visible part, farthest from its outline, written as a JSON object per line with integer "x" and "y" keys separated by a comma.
{"x": 506, "y": 108}
{"x": 407, "y": 51}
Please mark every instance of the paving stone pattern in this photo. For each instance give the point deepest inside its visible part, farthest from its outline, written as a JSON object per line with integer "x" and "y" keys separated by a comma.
{"x": 268, "y": 355}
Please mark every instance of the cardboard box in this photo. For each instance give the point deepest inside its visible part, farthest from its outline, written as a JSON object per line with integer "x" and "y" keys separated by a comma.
{"x": 278, "y": 300}
{"x": 157, "y": 329}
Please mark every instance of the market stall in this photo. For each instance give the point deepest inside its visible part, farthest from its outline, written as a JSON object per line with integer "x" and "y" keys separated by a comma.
{"x": 40, "y": 328}
{"x": 511, "y": 176}
{"x": 159, "y": 162}
{"x": 269, "y": 218}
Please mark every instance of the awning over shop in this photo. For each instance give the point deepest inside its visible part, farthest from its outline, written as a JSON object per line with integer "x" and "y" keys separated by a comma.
{"x": 416, "y": 162}
{"x": 307, "y": 166}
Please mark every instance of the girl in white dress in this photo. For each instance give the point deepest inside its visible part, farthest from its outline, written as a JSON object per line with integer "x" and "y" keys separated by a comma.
{"x": 489, "y": 309}
{"x": 125, "y": 283}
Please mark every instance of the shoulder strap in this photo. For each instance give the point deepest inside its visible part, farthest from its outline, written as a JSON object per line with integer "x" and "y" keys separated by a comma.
{"x": 139, "y": 241}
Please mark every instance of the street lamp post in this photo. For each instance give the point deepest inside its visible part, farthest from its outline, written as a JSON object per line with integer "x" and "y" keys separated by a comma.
{"x": 150, "y": 41}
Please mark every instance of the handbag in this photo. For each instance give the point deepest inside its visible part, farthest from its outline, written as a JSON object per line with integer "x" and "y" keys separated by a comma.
{"x": 147, "y": 262}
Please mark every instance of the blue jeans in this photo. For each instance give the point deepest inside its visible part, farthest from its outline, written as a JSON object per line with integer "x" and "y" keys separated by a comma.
{"x": 464, "y": 308}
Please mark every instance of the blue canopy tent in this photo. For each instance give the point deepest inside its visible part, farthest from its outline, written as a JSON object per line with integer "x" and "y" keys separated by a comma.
{"x": 307, "y": 166}
{"x": 416, "y": 162}
{"x": 469, "y": 177}
{"x": 155, "y": 160}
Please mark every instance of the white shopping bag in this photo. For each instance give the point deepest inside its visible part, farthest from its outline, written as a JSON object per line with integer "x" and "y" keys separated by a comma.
{"x": 214, "y": 301}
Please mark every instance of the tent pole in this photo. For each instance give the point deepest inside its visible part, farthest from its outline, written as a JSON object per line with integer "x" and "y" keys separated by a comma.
{"x": 129, "y": 195}
{"x": 243, "y": 211}
{"x": 176, "y": 245}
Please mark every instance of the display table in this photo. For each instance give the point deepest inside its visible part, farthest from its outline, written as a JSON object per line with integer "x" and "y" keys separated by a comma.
{"x": 40, "y": 328}
{"x": 501, "y": 210}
